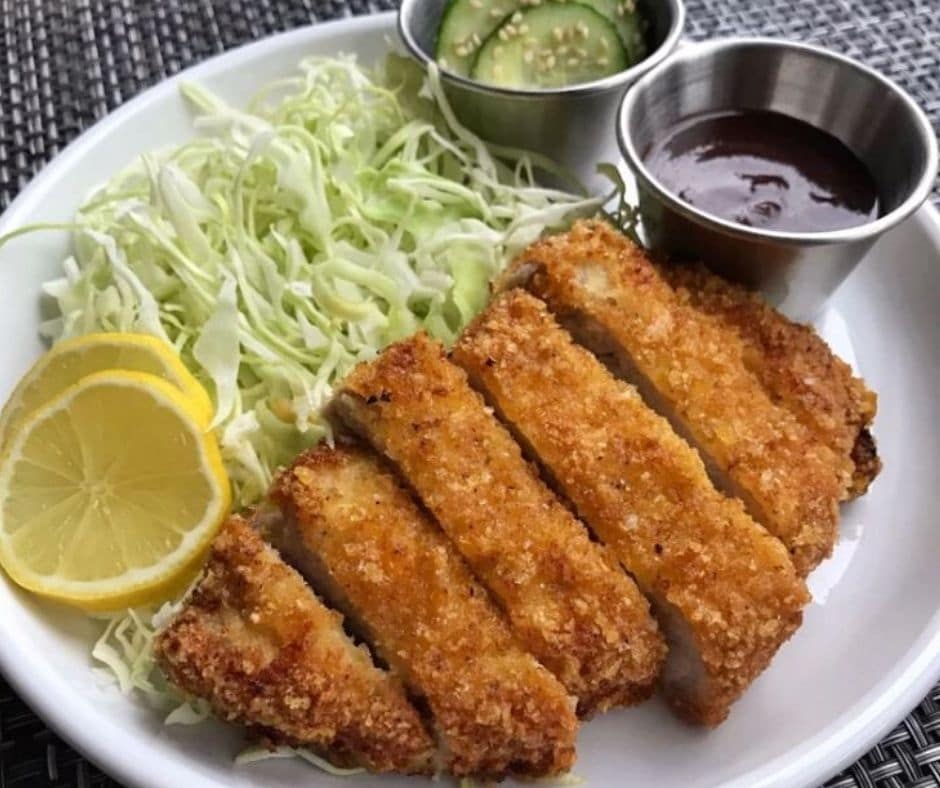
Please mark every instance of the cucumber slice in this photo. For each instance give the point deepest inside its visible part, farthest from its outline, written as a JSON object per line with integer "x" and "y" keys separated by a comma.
{"x": 626, "y": 19}
{"x": 550, "y": 45}
{"x": 464, "y": 27}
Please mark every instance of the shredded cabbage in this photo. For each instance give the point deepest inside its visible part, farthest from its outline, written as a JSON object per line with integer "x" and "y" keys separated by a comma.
{"x": 125, "y": 648}
{"x": 258, "y": 753}
{"x": 341, "y": 210}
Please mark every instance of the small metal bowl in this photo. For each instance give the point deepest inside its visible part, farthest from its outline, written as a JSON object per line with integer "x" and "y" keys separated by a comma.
{"x": 871, "y": 115}
{"x": 570, "y": 125}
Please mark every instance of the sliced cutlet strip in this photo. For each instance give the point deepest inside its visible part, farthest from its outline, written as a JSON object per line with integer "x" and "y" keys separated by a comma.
{"x": 255, "y": 642}
{"x": 796, "y": 367}
{"x": 724, "y": 589}
{"x": 567, "y": 601}
{"x": 690, "y": 368}
{"x": 361, "y": 538}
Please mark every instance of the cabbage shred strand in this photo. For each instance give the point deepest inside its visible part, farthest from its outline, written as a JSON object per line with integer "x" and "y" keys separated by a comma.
{"x": 339, "y": 212}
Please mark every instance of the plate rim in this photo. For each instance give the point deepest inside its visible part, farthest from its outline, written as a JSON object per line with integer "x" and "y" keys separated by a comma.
{"x": 877, "y": 712}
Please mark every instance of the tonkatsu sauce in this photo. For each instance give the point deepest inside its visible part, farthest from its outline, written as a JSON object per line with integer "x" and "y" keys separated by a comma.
{"x": 764, "y": 170}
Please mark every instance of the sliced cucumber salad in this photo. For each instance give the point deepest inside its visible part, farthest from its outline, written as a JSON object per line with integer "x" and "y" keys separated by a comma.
{"x": 539, "y": 43}
{"x": 550, "y": 46}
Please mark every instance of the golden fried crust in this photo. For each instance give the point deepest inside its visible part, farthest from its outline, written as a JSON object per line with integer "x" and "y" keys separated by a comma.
{"x": 256, "y": 643}
{"x": 604, "y": 287}
{"x": 645, "y": 493}
{"x": 797, "y": 369}
{"x": 567, "y": 602}
{"x": 497, "y": 710}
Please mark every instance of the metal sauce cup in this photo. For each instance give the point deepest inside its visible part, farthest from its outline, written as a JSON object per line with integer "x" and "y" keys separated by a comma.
{"x": 871, "y": 115}
{"x": 570, "y": 125}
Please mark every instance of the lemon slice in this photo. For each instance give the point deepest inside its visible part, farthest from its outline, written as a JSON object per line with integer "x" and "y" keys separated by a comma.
{"x": 110, "y": 492}
{"x": 71, "y": 360}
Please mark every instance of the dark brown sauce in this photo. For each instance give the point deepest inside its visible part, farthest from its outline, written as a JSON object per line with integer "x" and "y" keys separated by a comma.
{"x": 764, "y": 170}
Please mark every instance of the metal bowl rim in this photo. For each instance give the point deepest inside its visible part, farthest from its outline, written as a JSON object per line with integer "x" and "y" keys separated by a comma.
{"x": 860, "y": 232}
{"x": 669, "y": 43}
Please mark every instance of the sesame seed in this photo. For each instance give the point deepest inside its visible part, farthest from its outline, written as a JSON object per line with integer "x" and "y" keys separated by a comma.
{"x": 442, "y": 62}
{"x": 558, "y": 34}
{"x": 581, "y": 52}
{"x": 462, "y": 51}
{"x": 604, "y": 44}
{"x": 503, "y": 34}
{"x": 529, "y": 56}
{"x": 476, "y": 4}
{"x": 550, "y": 61}
{"x": 573, "y": 61}
{"x": 562, "y": 51}
{"x": 517, "y": 17}
{"x": 523, "y": 29}
{"x": 603, "y": 61}
{"x": 496, "y": 13}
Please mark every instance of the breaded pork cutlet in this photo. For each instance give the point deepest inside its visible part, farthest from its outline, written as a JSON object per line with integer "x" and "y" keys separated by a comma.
{"x": 256, "y": 643}
{"x": 796, "y": 367}
{"x": 690, "y": 367}
{"x": 360, "y": 537}
{"x": 567, "y": 601}
{"x": 724, "y": 589}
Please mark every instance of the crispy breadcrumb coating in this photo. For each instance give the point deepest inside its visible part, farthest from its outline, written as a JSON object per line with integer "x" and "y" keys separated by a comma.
{"x": 690, "y": 367}
{"x": 256, "y": 643}
{"x": 725, "y": 589}
{"x": 797, "y": 369}
{"x": 568, "y": 603}
{"x": 361, "y": 537}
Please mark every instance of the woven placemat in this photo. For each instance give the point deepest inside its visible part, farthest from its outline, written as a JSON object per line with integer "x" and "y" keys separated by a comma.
{"x": 66, "y": 63}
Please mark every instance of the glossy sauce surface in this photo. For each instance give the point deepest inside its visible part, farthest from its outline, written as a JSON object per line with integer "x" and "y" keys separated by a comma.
{"x": 764, "y": 170}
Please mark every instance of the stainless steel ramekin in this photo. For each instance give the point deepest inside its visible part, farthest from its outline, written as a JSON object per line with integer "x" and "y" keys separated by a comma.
{"x": 570, "y": 125}
{"x": 871, "y": 115}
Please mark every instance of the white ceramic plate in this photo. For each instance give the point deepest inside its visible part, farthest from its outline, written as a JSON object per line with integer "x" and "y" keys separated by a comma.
{"x": 870, "y": 645}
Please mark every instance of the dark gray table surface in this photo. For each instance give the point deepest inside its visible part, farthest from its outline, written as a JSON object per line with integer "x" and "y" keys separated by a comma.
{"x": 66, "y": 63}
